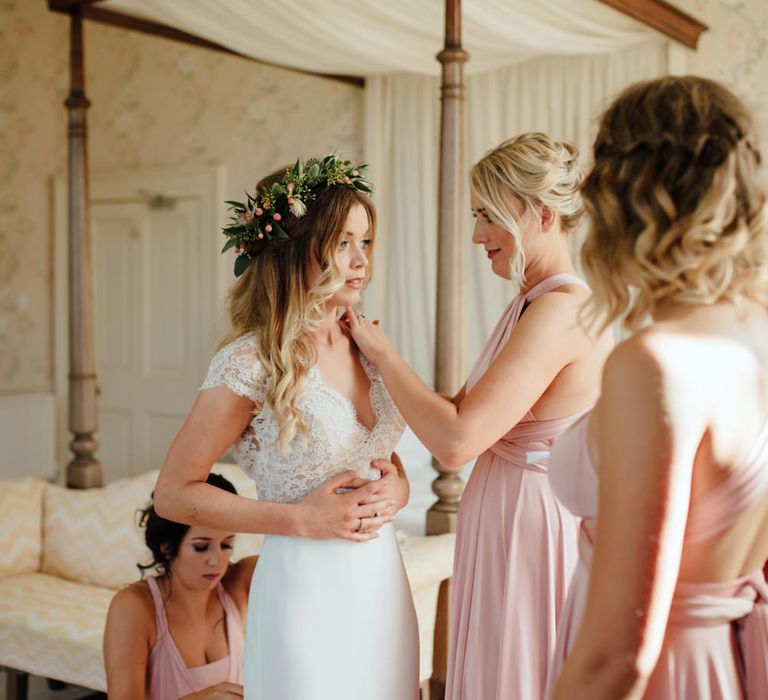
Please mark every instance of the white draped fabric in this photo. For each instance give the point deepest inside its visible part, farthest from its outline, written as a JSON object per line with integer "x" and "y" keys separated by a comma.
{"x": 560, "y": 96}
{"x": 546, "y": 65}
{"x": 368, "y": 37}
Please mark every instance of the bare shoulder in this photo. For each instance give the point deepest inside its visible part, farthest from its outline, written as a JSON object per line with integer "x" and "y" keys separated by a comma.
{"x": 637, "y": 364}
{"x": 555, "y": 316}
{"x": 645, "y": 378}
{"x": 133, "y": 606}
{"x": 130, "y": 621}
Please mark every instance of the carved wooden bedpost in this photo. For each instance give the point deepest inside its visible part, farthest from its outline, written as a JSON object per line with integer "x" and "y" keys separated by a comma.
{"x": 449, "y": 346}
{"x": 84, "y": 471}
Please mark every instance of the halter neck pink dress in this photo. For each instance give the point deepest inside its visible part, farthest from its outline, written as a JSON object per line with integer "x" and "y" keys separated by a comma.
{"x": 168, "y": 677}
{"x": 716, "y": 643}
{"x": 515, "y": 551}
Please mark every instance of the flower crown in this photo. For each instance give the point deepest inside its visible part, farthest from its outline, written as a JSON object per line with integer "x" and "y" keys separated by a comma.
{"x": 257, "y": 221}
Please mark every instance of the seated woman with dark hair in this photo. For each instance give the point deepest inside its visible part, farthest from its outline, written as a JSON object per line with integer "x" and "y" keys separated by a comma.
{"x": 179, "y": 633}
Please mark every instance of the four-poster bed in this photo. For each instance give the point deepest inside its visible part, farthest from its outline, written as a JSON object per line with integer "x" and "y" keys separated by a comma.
{"x": 84, "y": 470}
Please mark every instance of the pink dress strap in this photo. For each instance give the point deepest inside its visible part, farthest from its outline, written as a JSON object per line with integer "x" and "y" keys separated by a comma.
{"x": 554, "y": 282}
{"x": 167, "y": 674}
{"x": 506, "y": 324}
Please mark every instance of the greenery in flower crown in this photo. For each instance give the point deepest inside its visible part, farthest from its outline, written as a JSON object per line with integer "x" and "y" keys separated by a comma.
{"x": 256, "y": 221}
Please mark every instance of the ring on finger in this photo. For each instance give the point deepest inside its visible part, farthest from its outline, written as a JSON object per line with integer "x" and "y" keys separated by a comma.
{"x": 360, "y": 526}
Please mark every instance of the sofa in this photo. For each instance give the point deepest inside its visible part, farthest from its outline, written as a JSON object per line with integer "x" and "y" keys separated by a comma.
{"x": 64, "y": 553}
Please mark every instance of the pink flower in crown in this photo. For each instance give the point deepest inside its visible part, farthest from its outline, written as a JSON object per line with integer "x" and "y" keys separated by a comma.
{"x": 346, "y": 180}
{"x": 261, "y": 235}
{"x": 290, "y": 188}
{"x": 268, "y": 228}
{"x": 290, "y": 201}
{"x": 248, "y": 216}
{"x": 277, "y": 216}
{"x": 259, "y": 211}
{"x": 355, "y": 173}
{"x": 240, "y": 249}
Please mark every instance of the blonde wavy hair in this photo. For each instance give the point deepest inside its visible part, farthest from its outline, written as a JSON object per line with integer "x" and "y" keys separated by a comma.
{"x": 676, "y": 202}
{"x": 279, "y": 300}
{"x": 534, "y": 169}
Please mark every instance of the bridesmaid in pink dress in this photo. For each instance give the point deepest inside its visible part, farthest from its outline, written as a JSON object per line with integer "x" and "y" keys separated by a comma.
{"x": 539, "y": 370}
{"x": 669, "y": 601}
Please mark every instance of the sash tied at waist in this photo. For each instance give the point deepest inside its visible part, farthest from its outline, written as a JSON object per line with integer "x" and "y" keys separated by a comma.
{"x": 527, "y": 444}
{"x": 521, "y": 456}
{"x": 742, "y": 603}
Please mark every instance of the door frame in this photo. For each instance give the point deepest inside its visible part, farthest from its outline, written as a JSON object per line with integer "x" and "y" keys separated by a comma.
{"x": 207, "y": 183}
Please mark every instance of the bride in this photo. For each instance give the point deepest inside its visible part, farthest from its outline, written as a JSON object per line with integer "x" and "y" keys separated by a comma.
{"x": 330, "y": 613}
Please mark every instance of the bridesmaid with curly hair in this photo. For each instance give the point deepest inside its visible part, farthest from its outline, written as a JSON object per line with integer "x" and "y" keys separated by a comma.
{"x": 671, "y": 480}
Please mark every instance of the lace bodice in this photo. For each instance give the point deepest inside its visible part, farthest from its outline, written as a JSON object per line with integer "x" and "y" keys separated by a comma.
{"x": 337, "y": 440}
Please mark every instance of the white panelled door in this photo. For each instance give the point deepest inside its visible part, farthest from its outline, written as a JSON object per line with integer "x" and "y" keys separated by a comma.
{"x": 155, "y": 298}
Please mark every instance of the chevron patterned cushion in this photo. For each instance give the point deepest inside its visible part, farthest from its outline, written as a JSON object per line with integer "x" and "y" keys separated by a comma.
{"x": 92, "y": 536}
{"x": 21, "y": 503}
{"x": 53, "y": 628}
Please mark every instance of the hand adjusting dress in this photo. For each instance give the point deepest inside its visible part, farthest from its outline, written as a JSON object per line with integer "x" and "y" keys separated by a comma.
{"x": 716, "y": 642}
{"x": 515, "y": 551}
{"x": 327, "y": 619}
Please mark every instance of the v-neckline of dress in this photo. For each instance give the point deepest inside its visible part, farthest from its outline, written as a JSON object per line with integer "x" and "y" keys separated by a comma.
{"x": 193, "y": 671}
{"x": 347, "y": 401}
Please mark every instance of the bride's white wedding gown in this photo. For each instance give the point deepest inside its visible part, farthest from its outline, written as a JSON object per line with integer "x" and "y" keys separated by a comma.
{"x": 327, "y": 619}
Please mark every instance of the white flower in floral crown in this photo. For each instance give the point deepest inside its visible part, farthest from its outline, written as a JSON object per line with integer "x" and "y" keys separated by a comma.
{"x": 297, "y": 207}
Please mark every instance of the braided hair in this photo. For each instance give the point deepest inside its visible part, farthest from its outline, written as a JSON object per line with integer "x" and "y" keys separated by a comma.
{"x": 676, "y": 202}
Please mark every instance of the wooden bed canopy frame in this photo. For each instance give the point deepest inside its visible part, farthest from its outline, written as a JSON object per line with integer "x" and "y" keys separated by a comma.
{"x": 84, "y": 470}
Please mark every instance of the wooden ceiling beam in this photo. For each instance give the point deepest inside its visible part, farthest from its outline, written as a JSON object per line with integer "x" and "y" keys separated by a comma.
{"x": 69, "y": 6}
{"x": 663, "y": 17}
{"x": 88, "y": 9}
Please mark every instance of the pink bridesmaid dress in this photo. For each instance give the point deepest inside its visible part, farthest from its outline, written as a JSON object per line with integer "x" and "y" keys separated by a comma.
{"x": 515, "y": 551}
{"x": 716, "y": 643}
{"x": 168, "y": 677}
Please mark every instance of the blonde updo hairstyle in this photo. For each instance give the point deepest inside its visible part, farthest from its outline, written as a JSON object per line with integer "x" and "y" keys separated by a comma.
{"x": 535, "y": 169}
{"x": 279, "y": 300}
{"x": 676, "y": 202}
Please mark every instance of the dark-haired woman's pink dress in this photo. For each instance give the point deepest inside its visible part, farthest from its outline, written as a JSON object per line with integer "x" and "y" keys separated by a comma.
{"x": 515, "y": 551}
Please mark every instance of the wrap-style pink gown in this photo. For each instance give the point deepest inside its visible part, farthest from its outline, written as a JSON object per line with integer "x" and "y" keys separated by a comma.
{"x": 716, "y": 642}
{"x": 515, "y": 551}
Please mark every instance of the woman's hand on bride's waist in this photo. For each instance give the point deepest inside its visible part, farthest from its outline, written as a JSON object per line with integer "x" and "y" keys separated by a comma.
{"x": 355, "y": 515}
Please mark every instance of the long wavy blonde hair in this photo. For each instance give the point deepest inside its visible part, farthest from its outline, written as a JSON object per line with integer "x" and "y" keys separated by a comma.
{"x": 676, "y": 202}
{"x": 535, "y": 169}
{"x": 280, "y": 301}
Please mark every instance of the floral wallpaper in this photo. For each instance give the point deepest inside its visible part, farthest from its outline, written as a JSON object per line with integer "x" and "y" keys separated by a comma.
{"x": 154, "y": 102}
{"x": 734, "y": 50}
{"x": 158, "y": 102}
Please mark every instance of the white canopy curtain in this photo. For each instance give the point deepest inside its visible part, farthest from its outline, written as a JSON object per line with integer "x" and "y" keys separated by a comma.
{"x": 560, "y": 97}
{"x": 369, "y": 37}
{"x": 512, "y": 86}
